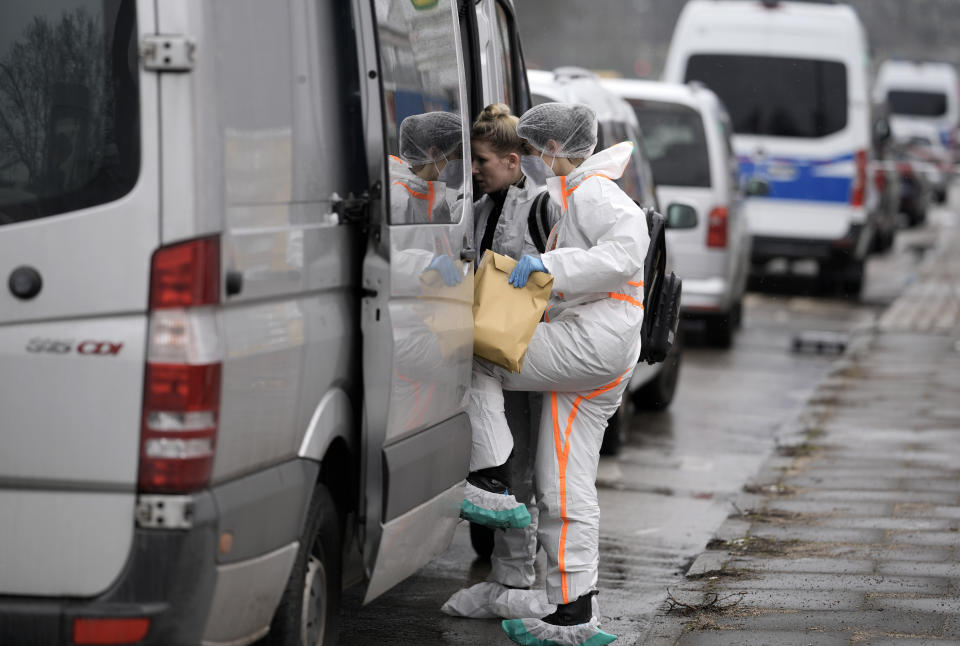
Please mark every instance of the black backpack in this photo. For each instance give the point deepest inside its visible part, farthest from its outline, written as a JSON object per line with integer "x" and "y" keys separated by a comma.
{"x": 538, "y": 221}
{"x": 661, "y": 295}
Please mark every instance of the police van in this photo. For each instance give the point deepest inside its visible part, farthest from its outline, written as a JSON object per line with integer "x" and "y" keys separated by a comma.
{"x": 229, "y": 382}
{"x": 921, "y": 92}
{"x": 793, "y": 77}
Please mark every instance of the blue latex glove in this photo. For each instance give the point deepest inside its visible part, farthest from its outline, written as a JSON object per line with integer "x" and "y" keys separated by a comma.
{"x": 521, "y": 273}
{"x": 448, "y": 269}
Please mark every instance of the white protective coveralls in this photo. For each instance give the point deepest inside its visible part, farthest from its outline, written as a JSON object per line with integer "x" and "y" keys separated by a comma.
{"x": 515, "y": 550}
{"x": 581, "y": 357}
{"x": 512, "y": 236}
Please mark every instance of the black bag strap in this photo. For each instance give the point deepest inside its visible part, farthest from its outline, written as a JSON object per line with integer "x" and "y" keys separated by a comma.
{"x": 538, "y": 221}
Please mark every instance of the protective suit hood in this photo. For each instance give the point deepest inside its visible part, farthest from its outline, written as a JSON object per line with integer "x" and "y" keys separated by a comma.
{"x": 610, "y": 163}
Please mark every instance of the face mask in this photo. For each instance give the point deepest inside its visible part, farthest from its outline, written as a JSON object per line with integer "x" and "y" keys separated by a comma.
{"x": 536, "y": 169}
{"x": 452, "y": 173}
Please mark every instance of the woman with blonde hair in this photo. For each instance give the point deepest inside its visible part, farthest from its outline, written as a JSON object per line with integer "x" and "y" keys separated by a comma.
{"x": 513, "y": 217}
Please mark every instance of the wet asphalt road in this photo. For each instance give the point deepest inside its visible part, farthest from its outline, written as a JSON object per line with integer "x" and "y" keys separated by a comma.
{"x": 672, "y": 484}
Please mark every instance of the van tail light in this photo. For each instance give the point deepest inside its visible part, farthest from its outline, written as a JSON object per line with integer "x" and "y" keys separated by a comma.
{"x": 181, "y": 400}
{"x": 717, "y": 227}
{"x": 186, "y": 274}
{"x": 859, "y": 188}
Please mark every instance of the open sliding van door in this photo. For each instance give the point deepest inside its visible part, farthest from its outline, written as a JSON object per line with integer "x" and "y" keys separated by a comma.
{"x": 416, "y": 310}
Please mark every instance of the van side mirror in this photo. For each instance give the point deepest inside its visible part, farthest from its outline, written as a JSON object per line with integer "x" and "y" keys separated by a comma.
{"x": 681, "y": 216}
{"x": 756, "y": 187}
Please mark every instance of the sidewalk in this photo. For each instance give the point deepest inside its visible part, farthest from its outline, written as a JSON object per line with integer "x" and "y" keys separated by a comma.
{"x": 849, "y": 535}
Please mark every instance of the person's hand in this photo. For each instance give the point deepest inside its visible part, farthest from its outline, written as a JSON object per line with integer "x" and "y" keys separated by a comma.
{"x": 448, "y": 269}
{"x": 521, "y": 273}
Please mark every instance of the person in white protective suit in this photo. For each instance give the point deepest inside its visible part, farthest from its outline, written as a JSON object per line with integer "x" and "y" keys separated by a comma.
{"x": 513, "y": 218}
{"x": 581, "y": 357}
{"x": 493, "y": 497}
{"x": 426, "y": 178}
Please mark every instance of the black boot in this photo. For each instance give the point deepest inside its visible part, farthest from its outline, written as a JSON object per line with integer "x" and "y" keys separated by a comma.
{"x": 492, "y": 479}
{"x": 578, "y": 611}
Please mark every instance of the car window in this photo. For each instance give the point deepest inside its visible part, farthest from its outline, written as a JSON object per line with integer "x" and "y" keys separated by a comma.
{"x": 781, "y": 97}
{"x": 425, "y": 104}
{"x": 918, "y": 104}
{"x": 676, "y": 143}
{"x": 69, "y": 105}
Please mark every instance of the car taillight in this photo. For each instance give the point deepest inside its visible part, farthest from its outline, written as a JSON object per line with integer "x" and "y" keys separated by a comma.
{"x": 181, "y": 401}
{"x": 880, "y": 180}
{"x": 103, "y": 630}
{"x": 717, "y": 227}
{"x": 859, "y": 188}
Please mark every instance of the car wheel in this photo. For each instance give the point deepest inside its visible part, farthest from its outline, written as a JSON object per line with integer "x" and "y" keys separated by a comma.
{"x": 720, "y": 329}
{"x": 851, "y": 283}
{"x": 615, "y": 435}
{"x": 481, "y": 538}
{"x": 658, "y": 392}
{"x": 736, "y": 314}
{"x": 309, "y": 609}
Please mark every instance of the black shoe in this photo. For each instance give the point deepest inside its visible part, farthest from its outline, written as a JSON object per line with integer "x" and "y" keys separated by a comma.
{"x": 578, "y": 611}
{"x": 483, "y": 479}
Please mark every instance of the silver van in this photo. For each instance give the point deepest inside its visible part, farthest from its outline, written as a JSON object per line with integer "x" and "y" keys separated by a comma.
{"x": 229, "y": 382}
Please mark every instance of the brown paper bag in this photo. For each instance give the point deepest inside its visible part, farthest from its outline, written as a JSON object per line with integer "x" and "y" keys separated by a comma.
{"x": 504, "y": 317}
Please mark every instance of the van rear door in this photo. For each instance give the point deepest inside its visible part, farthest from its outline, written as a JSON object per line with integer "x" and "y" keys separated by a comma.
{"x": 416, "y": 312}
{"x": 78, "y": 223}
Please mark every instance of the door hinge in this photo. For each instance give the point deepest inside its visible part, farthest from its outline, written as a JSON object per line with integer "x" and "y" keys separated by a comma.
{"x": 167, "y": 53}
{"x": 354, "y": 209}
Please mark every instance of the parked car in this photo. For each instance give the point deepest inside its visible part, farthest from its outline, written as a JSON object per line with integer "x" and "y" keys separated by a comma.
{"x": 686, "y": 133}
{"x": 221, "y": 369}
{"x": 915, "y": 190}
{"x": 793, "y": 77}
{"x": 884, "y": 201}
{"x": 652, "y": 387}
{"x": 921, "y": 144}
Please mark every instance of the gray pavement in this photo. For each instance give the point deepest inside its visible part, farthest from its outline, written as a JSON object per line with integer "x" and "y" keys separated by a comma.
{"x": 850, "y": 533}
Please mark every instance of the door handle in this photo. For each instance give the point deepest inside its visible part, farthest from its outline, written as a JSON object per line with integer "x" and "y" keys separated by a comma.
{"x": 468, "y": 254}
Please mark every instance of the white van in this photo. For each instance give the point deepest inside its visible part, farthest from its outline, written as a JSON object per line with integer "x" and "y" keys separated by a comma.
{"x": 921, "y": 92}
{"x": 793, "y": 76}
{"x": 223, "y": 364}
{"x": 687, "y": 135}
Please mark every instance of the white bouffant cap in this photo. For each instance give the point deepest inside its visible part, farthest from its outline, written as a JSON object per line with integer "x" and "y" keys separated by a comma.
{"x": 572, "y": 125}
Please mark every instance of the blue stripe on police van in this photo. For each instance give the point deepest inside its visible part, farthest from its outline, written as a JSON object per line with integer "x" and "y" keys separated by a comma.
{"x": 828, "y": 180}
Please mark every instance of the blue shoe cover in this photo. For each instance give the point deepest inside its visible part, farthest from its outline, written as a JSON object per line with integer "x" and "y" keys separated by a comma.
{"x": 517, "y": 518}
{"x": 498, "y": 511}
{"x": 534, "y": 632}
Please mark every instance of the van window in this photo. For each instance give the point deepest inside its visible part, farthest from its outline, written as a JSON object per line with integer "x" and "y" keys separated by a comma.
{"x": 675, "y": 141}
{"x": 502, "y": 35}
{"x": 421, "y": 74}
{"x": 780, "y": 97}
{"x": 69, "y": 105}
{"x": 918, "y": 104}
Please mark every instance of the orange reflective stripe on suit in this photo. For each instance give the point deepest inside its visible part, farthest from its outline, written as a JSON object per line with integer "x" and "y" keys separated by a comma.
{"x": 428, "y": 196}
{"x": 562, "y": 446}
{"x": 565, "y": 193}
